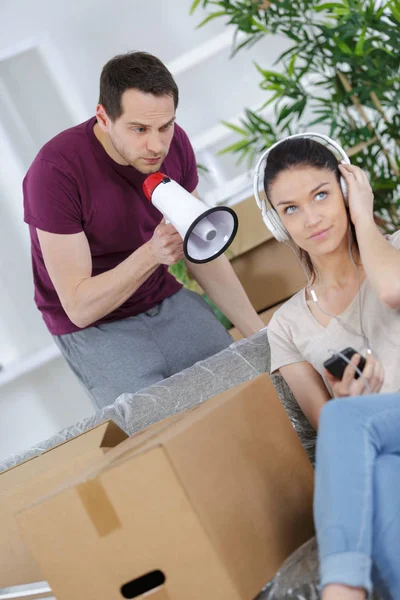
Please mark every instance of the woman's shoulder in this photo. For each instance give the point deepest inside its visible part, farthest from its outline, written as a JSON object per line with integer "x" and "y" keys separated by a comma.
{"x": 290, "y": 311}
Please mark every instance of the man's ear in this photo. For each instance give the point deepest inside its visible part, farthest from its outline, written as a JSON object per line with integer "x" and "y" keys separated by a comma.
{"x": 102, "y": 118}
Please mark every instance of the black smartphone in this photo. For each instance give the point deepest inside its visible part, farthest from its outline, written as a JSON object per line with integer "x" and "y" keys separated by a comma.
{"x": 336, "y": 364}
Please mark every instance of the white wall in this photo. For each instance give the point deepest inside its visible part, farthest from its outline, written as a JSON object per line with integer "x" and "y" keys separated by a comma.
{"x": 72, "y": 41}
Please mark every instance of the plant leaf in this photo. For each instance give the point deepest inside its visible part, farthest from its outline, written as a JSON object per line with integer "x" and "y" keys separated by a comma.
{"x": 329, "y": 6}
{"x": 220, "y": 13}
{"x": 195, "y": 4}
{"x": 290, "y": 68}
{"x": 234, "y": 127}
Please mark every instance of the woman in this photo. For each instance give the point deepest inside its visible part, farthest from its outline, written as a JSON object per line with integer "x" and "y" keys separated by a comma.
{"x": 352, "y": 299}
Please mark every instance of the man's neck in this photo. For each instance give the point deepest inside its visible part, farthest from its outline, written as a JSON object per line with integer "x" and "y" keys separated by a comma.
{"x": 104, "y": 139}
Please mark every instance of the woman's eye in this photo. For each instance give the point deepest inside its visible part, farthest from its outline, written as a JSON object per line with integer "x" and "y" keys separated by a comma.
{"x": 290, "y": 210}
{"x": 321, "y": 196}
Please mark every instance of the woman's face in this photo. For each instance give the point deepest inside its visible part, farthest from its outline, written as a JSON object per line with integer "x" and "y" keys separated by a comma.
{"x": 310, "y": 203}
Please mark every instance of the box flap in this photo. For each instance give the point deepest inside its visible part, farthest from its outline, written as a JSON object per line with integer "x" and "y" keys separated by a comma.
{"x": 105, "y": 436}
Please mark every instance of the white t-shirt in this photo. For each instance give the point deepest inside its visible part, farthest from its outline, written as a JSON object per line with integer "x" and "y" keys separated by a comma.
{"x": 295, "y": 335}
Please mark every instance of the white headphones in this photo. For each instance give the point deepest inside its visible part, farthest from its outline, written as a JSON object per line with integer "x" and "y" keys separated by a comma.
{"x": 269, "y": 215}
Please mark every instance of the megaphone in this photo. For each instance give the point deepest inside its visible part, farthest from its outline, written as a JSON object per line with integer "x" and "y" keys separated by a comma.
{"x": 206, "y": 233}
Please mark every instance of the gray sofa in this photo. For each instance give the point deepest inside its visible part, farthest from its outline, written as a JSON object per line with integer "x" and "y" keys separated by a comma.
{"x": 240, "y": 362}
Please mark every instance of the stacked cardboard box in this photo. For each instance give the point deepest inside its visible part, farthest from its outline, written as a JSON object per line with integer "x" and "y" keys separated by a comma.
{"x": 267, "y": 269}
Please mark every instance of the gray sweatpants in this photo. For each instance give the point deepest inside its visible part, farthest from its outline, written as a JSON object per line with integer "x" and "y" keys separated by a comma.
{"x": 130, "y": 354}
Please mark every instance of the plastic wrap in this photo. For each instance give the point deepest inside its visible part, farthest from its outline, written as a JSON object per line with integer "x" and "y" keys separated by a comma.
{"x": 298, "y": 577}
{"x": 302, "y": 426}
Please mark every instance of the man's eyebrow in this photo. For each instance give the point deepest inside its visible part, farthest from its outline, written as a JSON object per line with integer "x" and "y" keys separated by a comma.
{"x": 136, "y": 124}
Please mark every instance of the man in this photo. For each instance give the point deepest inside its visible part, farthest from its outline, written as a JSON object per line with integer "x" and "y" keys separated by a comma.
{"x": 101, "y": 250}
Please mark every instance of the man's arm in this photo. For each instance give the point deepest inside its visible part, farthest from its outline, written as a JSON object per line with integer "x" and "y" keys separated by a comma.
{"x": 87, "y": 299}
{"x": 220, "y": 283}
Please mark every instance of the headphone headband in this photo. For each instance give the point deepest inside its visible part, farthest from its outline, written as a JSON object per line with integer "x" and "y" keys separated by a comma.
{"x": 335, "y": 149}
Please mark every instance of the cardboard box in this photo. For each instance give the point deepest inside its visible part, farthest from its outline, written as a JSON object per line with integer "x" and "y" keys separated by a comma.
{"x": 24, "y": 484}
{"x": 267, "y": 269}
{"x": 266, "y": 316}
{"x": 206, "y": 506}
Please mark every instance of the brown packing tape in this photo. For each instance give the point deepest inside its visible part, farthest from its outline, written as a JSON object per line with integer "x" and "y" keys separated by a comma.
{"x": 98, "y": 507}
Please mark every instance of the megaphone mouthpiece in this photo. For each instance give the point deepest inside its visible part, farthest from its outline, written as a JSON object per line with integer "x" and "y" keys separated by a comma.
{"x": 152, "y": 181}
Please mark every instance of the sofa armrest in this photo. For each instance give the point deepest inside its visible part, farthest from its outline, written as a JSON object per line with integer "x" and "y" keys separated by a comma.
{"x": 242, "y": 361}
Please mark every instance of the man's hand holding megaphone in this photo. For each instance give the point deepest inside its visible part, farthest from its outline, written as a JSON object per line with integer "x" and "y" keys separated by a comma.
{"x": 166, "y": 244}
{"x": 200, "y": 234}
{"x": 206, "y": 231}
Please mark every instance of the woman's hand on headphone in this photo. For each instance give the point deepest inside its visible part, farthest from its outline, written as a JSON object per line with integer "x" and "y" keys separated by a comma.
{"x": 373, "y": 373}
{"x": 360, "y": 194}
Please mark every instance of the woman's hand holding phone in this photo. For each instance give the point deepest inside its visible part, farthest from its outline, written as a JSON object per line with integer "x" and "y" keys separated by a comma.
{"x": 350, "y": 386}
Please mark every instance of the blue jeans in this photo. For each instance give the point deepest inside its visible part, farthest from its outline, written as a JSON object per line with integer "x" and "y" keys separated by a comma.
{"x": 357, "y": 494}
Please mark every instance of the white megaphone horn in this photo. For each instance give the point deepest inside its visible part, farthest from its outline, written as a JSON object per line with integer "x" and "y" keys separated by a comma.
{"x": 206, "y": 233}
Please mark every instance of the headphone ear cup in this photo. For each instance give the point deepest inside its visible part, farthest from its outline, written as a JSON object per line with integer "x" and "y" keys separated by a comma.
{"x": 345, "y": 190}
{"x": 276, "y": 227}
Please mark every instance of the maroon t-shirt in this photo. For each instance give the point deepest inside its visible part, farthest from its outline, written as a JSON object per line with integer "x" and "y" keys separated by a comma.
{"x": 73, "y": 185}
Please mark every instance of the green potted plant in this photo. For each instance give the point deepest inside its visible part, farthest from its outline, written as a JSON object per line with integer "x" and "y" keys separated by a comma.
{"x": 341, "y": 72}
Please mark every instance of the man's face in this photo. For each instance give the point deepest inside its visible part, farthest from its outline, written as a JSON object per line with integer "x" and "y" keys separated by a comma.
{"x": 142, "y": 135}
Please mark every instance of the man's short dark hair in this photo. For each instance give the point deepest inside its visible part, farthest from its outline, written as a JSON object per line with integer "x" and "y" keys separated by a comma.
{"x": 135, "y": 70}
